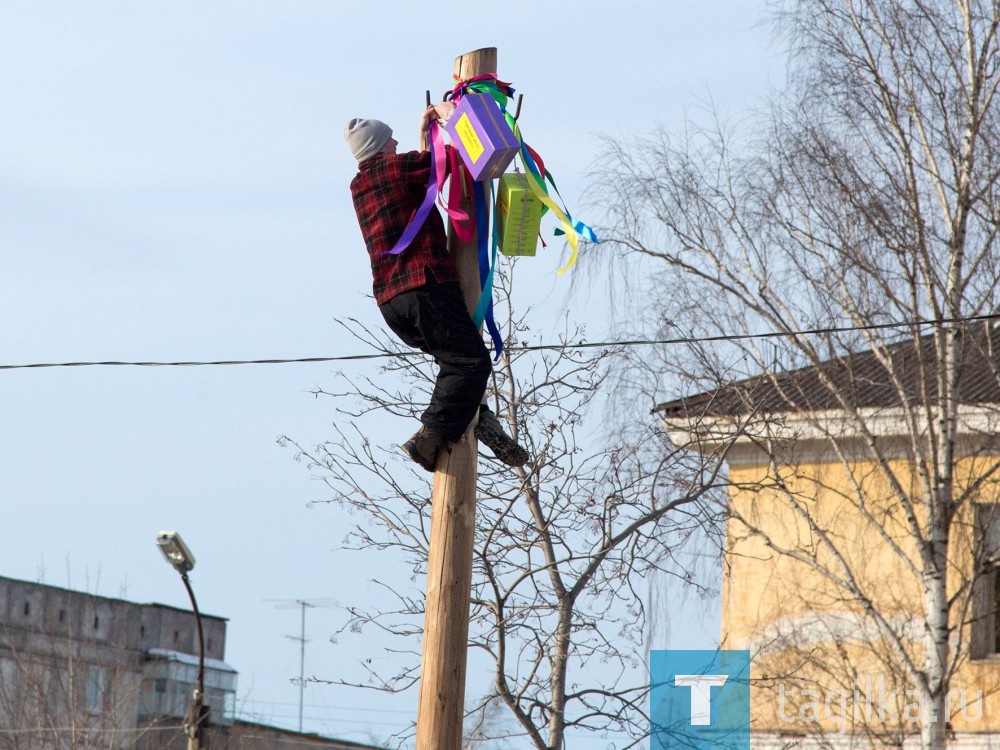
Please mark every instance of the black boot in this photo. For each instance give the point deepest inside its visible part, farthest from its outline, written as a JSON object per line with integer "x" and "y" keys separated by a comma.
{"x": 423, "y": 447}
{"x": 492, "y": 434}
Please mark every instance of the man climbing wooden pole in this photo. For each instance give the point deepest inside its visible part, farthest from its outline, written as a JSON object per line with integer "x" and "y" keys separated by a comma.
{"x": 426, "y": 284}
{"x": 453, "y": 521}
{"x": 416, "y": 282}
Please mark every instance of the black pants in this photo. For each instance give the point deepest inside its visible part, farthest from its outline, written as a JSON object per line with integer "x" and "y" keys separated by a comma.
{"x": 434, "y": 319}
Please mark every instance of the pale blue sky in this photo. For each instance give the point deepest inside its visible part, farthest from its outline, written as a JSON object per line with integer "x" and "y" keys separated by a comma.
{"x": 173, "y": 186}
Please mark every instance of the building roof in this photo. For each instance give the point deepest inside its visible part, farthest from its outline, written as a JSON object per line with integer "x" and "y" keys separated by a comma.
{"x": 902, "y": 374}
{"x": 247, "y": 729}
{"x": 190, "y": 660}
{"x": 100, "y": 597}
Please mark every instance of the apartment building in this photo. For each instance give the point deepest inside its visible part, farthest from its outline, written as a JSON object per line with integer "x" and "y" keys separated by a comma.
{"x": 85, "y": 671}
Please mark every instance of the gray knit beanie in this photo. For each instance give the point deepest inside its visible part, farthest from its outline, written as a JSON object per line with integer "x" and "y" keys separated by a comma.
{"x": 366, "y": 137}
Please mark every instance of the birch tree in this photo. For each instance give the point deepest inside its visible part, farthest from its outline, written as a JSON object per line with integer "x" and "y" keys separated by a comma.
{"x": 837, "y": 256}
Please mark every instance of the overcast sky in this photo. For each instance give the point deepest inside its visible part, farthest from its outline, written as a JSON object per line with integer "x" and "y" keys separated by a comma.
{"x": 173, "y": 186}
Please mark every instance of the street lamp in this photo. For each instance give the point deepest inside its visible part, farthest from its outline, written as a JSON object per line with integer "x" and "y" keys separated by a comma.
{"x": 180, "y": 557}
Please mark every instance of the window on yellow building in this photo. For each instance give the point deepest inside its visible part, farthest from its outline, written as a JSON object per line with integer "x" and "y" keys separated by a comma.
{"x": 986, "y": 587}
{"x": 995, "y": 573}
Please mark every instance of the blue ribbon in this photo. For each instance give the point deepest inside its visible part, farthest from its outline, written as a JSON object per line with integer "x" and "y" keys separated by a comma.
{"x": 484, "y": 308}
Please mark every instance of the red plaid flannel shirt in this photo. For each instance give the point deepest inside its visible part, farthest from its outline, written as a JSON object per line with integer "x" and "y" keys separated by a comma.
{"x": 387, "y": 191}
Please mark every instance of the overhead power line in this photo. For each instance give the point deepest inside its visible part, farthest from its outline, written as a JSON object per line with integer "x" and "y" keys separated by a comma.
{"x": 519, "y": 348}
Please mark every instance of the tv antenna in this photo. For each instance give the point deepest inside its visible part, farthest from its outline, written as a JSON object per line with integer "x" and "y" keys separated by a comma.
{"x": 303, "y": 605}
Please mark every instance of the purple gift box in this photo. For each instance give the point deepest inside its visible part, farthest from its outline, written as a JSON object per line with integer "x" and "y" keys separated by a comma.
{"x": 479, "y": 130}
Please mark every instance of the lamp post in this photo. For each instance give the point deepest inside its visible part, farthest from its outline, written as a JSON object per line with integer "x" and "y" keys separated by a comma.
{"x": 180, "y": 557}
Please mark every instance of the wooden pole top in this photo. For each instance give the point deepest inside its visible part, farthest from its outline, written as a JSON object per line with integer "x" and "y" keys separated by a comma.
{"x": 476, "y": 63}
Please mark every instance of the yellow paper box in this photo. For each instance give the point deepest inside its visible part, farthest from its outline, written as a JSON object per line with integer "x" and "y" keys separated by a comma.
{"x": 519, "y": 215}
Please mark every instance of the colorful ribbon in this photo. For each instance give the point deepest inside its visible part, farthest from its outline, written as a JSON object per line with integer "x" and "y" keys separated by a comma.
{"x": 440, "y": 156}
{"x": 487, "y": 83}
{"x": 445, "y": 159}
{"x": 571, "y": 228}
{"x": 484, "y": 308}
{"x": 418, "y": 218}
{"x": 460, "y": 220}
{"x": 537, "y": 174}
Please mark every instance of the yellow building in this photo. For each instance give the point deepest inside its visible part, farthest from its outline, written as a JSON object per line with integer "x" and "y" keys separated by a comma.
{"x": 851, "y": 483}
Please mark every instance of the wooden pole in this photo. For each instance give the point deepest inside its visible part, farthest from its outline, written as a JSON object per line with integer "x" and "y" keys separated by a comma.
{"x": 441, "y": 704}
